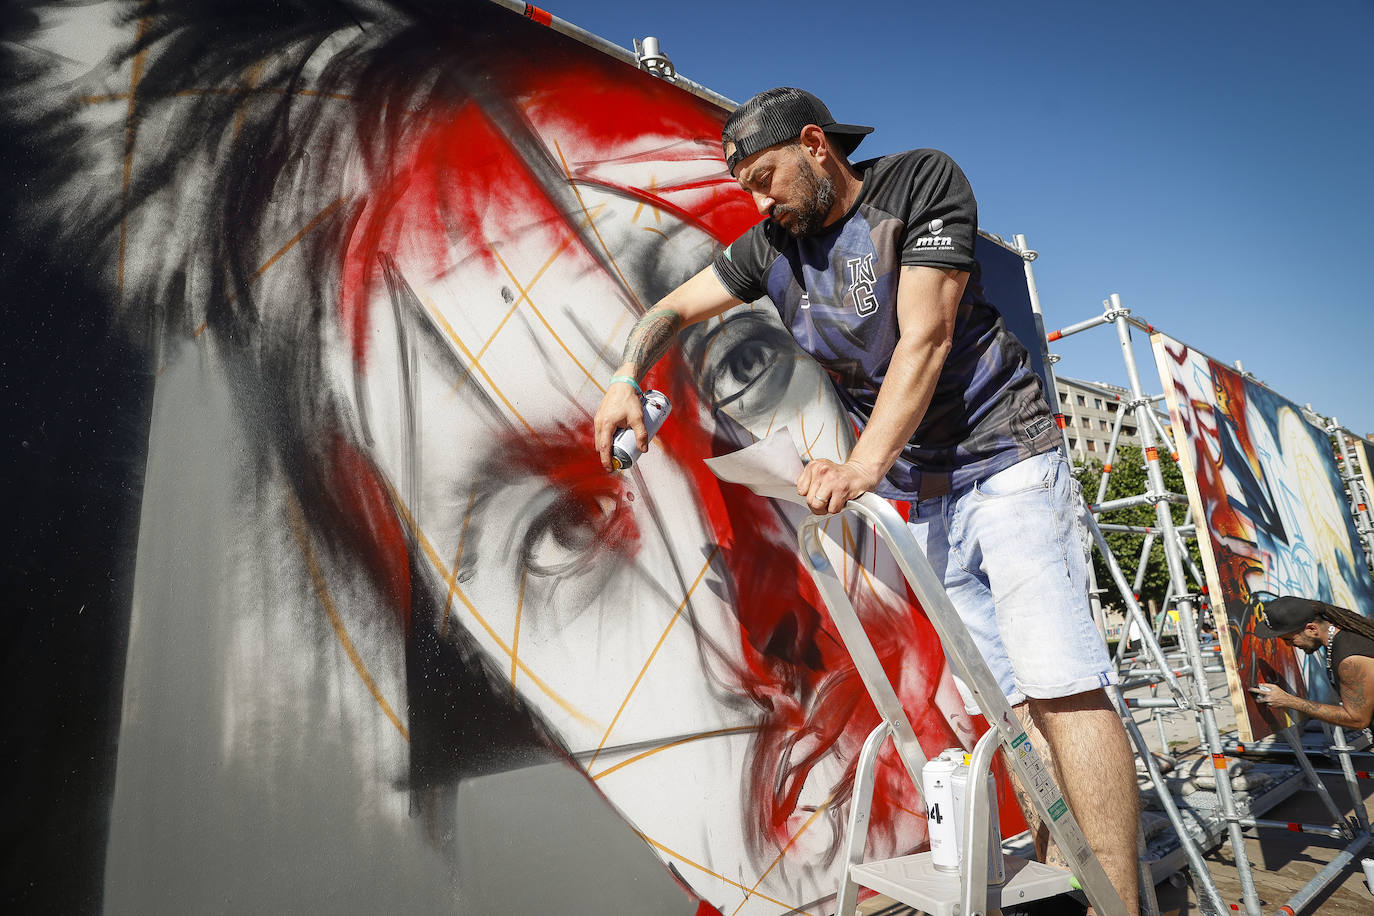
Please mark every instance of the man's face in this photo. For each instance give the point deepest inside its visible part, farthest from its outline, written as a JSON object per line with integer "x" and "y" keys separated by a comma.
{"x": 1308, "y": 639}
{"x": 789, "y": 188}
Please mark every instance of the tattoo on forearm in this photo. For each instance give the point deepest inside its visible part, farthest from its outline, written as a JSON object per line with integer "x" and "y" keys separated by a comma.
{"x": 650, "y": 338}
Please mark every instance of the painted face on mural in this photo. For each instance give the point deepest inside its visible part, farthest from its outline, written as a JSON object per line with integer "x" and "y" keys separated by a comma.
{"x": 451, "y": 298}
{"x": 657, "y": 620}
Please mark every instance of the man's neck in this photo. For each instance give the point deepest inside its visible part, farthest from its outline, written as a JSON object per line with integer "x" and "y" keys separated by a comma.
{"x": 1329, "y": 635}
{"x": 848, "y": 184}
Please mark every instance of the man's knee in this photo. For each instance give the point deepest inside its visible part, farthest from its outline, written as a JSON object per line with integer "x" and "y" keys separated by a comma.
{"x": 1089, "y": 700}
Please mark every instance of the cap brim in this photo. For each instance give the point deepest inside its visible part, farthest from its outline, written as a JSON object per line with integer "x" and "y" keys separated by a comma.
{"x": 848, "y": 135}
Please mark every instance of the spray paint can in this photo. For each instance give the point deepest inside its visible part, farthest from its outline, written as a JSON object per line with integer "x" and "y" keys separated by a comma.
{"x": 624, "y": 450}
{"x": 1368, "y": 866}
{"x": 937, "y": 779}
{"x": 959, "y": 782}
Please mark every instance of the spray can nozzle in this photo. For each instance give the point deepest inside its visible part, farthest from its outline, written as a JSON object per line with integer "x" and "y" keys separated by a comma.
{"x": 624, "y": 449}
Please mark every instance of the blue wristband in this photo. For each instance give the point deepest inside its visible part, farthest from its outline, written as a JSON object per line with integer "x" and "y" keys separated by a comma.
{"x": 629, "y": 381}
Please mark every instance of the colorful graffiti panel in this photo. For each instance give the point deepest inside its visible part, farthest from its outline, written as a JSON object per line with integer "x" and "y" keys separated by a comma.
{"x": 379, "y": 260}
{"x": 1272, "y": 518}
{"x": 1364, "y": 451}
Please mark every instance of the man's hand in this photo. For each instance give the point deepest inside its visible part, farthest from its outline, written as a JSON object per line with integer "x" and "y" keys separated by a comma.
{"x": 827, "y": 486}
{"x": 1273, "y": 695}
{"x": 620, "y": 409}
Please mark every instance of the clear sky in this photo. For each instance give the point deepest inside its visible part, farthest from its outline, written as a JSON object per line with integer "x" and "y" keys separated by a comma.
{"x": 1208, "y": 161}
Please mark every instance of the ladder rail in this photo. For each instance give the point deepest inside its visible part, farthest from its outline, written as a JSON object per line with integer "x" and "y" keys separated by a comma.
{"x": 973, "y": 670}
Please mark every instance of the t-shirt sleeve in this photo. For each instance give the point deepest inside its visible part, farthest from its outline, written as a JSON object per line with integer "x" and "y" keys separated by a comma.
{"x": 942, "y": 215}
{"x": 742, "y": 265}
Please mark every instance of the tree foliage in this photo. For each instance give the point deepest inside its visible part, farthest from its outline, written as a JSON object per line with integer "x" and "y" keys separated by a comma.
{"x": 1128, "y": 477}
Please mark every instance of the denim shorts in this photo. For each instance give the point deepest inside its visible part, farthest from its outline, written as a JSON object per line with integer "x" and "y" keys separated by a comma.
{"x": 1013, "y": 553}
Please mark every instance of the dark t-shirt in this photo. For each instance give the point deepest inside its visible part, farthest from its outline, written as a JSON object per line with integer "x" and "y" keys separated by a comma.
{"x": 837, "y": 293}
{"x": 1345, "y": 644}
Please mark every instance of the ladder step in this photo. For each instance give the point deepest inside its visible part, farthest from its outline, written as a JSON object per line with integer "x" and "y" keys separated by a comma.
{"x": 915, "y": 881}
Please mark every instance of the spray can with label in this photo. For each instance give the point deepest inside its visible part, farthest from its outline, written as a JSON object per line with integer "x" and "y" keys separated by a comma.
{"x": 624, "y": 450}
{"x": 937, "y": 779}
{"x": 959, "y": 782}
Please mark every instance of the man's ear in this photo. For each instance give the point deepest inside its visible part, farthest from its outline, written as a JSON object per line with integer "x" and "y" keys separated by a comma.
{"x": 814, "y": 142}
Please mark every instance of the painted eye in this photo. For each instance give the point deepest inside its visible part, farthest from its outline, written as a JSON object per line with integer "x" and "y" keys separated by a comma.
{"x": 746, "y": 356}
{"x": 565, "y": 535}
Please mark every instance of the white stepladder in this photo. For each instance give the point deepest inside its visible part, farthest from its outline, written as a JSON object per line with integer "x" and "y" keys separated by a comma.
{"x": 914, "y": 880}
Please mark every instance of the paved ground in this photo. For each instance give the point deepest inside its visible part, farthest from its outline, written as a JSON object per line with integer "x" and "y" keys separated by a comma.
{"x": 1281, "y": 862}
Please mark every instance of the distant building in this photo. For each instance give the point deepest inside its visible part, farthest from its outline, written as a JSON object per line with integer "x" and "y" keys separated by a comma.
{"x": 1090, "y": 410}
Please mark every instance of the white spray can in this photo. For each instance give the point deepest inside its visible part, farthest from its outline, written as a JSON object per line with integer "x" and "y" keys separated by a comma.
{"x": 937, "y": 780}
{"x": 624, "y": 449}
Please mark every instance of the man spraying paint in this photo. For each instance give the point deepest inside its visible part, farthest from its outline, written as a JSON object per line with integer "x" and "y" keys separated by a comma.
{"x": 1348, "y": 641}
{"x": 872, "y": 270}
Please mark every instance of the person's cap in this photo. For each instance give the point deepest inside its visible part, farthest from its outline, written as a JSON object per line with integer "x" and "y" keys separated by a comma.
{"x": 1281, "y": 616}
{"x": 778, "y": 115}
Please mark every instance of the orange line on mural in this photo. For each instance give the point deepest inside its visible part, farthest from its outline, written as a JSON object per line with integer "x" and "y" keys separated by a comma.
{"x": 649, "y": 661}
{"x": 332, "y": 612}
{"x": 782, "y": 852}
{"x": 639, "y": 208}
{"x": 453, "y": 336}
{"x": 135, "y": 75}
{"x": 702, "y": 868}
{"x": 305, "y": 230}
{"x": 557, "y": 252}
{"x": 450, "y": 578}
{"x": 604, "y": 247}
{"x": 718, "y": 733}
{"x": 251, "y": 77}
{"x": 845, "y": 541}
{"x": 280, "y": 252}
{"x": 524, "y": 294}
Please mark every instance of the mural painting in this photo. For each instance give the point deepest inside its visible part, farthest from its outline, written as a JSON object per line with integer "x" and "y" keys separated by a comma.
{"x": 1364, "y": 451}
{"x": 1264, "y": 486}
{"x": 376, "y": 261}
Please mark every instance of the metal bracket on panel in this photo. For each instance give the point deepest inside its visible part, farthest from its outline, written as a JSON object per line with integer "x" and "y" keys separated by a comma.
{"x": 653, "y": 60}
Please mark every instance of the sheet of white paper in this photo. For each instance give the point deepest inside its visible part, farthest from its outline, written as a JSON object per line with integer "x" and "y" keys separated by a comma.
{"x": 769, "y": 467}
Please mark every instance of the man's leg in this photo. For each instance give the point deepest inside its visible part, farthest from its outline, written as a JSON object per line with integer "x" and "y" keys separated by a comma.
{"x": 1021, "y": 529}
{"x": 1096, "y": 772}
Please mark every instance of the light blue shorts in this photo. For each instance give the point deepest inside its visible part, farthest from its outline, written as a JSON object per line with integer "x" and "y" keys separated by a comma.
{"x": 1013, "y": 553}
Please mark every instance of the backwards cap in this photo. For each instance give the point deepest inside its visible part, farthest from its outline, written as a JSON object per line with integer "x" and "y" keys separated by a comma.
{"x": 1281, "y": 616}
{"x": 777, "y": 116}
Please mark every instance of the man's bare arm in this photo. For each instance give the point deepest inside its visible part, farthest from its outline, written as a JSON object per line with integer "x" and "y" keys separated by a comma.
{"x": 1356, "y": 676}
{"x": 649, "y": 339}
{"x": 701, "y": 297}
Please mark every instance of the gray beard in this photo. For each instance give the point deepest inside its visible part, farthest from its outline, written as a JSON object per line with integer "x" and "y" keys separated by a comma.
{"x": 808, "y": 218}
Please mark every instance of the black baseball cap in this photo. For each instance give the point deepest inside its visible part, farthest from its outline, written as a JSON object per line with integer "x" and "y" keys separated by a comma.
{"x": 777, "y": 115}
{"x": 1281, "y": 616}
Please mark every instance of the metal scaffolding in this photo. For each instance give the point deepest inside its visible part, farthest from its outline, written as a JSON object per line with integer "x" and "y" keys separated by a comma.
{"x": 1186, "y": 684}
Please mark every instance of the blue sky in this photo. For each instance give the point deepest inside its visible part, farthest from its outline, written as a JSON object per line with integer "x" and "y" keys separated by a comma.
{"x": 1210, "y": 162}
